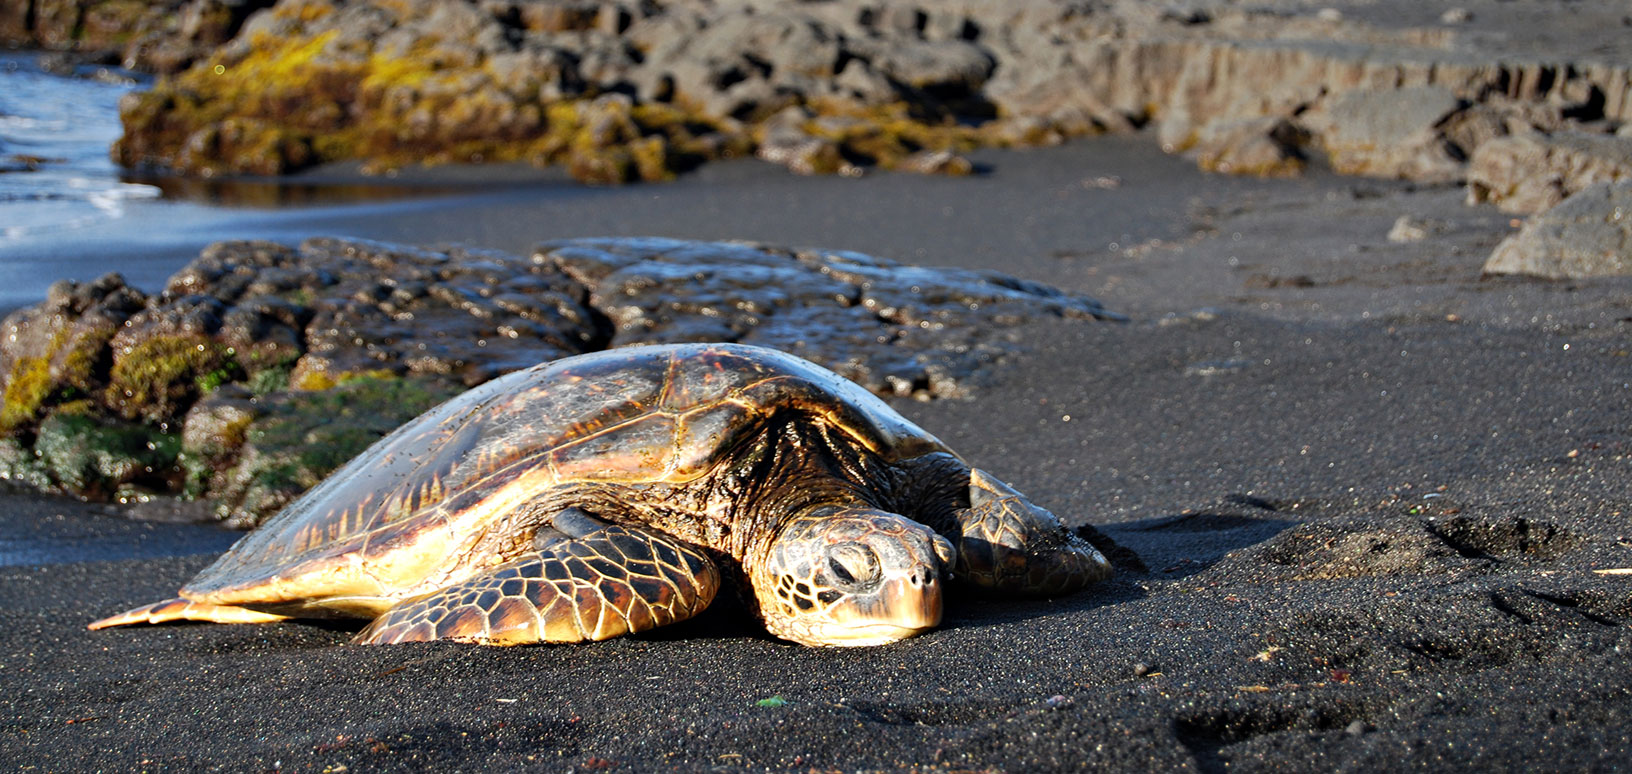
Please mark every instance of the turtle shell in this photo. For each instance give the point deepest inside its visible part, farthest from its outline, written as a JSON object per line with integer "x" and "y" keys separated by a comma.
{"x": 395, "y": 514}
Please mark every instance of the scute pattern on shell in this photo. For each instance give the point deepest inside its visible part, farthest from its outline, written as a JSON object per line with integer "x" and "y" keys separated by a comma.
{"x": 647, "y": 414}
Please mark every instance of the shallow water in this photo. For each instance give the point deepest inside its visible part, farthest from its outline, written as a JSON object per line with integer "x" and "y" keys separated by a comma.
{"x": 55, "y": 174}
{"x": 68, "y": 212}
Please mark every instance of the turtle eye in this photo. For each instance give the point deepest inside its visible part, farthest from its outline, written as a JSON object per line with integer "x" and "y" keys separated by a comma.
{"x": 853, "y": 564}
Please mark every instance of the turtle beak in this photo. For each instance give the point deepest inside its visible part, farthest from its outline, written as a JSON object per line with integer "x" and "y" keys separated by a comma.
{"x": 925, "y": 612}
{"x": 914, "y": 608}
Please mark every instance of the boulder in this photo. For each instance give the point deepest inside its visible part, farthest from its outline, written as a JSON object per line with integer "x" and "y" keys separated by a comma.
{"x": 1389, "y": 133}
{"x": 261, "y": 367}
{"x": 1263, "y": 147}
{"x": 1532, "y": 172}
{"x": 947, "y": 67}
{"x": 894, "y": 329}
{"x": 1588, "y": 235}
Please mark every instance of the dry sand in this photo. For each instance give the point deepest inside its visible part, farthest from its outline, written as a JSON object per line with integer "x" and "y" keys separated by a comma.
{"x": 1368, "y": 498}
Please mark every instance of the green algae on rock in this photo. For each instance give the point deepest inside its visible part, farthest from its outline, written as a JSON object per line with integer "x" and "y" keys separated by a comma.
{"x": 409, "y": 82}
{"x": 260, "y": 367}
{"x": 102, "y": 459}
{"x": 305, "y": 86}
{"x": 252, "y": 455}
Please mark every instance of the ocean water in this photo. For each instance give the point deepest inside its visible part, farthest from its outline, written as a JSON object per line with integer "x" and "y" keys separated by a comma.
{"x": 68, "y": 212}
{"x": 55, "y": 174}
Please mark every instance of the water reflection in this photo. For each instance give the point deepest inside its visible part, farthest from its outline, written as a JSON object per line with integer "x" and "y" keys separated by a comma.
{"x": 55, "y": 174}
{"x": 278, "y": 193}
{"x": 58, "y": 182}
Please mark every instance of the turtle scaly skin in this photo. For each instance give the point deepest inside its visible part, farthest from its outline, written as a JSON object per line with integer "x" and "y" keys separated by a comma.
{"x": 609, "y": 581}
{"x": 611, "y": 493}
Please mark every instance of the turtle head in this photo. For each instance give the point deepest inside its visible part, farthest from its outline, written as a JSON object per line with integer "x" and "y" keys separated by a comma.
{"x": 1011, "y": 545}
{"x": 851, "y": 577}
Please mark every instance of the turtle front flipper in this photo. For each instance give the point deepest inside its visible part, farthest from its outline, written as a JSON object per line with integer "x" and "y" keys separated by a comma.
{"x": 587, "y": 581}
{"x": 179, "y": 609}
{"x": 1009, "y": 544}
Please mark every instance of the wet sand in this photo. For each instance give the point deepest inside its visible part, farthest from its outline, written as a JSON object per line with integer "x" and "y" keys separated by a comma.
{"x": 1028, "y": 209}
{"x": 1368, "y": 501}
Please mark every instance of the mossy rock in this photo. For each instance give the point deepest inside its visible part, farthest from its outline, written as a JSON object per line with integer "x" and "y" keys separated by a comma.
{"x": 275, "y": 104}
{"x": 305, "y": 435}
{"x": 27, "y": 386}
{"x": 159, "y": 377}
{"x": 20, "y": 466}
{"x": 213, "y": 433}
{"x": 95, "y": 459}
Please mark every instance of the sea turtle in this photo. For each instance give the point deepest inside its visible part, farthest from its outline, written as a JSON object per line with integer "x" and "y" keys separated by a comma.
{"x": 609, "y": 493}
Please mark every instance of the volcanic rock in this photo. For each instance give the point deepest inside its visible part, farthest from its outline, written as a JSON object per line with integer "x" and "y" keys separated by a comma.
{"x": 1588, "y": 235}
{"x": 261, "y": 367}
{"x": 391, "y": 83}
{"x": 1531, "y": 172}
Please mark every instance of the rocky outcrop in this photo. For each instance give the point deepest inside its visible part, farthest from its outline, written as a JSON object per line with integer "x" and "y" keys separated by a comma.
{"x": 615, "y": 93}
{"x": 164, "y": 36}
{"x": 1588, "y": 235}
{"x": 260, "y": 367}
{"x": 1263, "y": 147}
{"x": 1392, "y": 133}
{"x": 619, "y": 90}
{"x": 1531, "y": 172}
{"x": 894, "y": 329}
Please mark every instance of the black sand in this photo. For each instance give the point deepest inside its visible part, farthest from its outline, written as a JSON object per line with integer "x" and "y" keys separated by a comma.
{"x": 1374, "y": 507}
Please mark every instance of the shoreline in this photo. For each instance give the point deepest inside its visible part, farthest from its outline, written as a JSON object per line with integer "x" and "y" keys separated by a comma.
{"x": 1045, "y": 203}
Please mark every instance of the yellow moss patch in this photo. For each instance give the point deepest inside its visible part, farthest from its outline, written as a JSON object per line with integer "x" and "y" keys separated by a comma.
{"x": 26, "y": 388}
{"x": 273, "y": 64}
{"x": 154, "y": 375}
{"x": 317, "y": 381}
{"x": 385, "y": 72}
{"x": 81, "y": 407}
{"x": 30, "y": 382}
{"x": 313, "y": 381}
{"x": 299, "y": 100}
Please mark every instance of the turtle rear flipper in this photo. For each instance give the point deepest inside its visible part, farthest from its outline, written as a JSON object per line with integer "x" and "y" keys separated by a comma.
{"x": 179, "y": 609}
{"x": 606, "y": 582}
